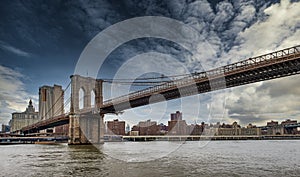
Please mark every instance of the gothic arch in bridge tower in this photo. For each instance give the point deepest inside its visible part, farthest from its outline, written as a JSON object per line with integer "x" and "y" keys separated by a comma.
{"x": 93, "y": 98}
{"x": 81, "y": 98}
{"x": 92, "y": 92}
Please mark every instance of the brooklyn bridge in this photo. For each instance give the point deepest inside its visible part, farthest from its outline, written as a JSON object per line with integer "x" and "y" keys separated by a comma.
{"x": 86, "y": 122}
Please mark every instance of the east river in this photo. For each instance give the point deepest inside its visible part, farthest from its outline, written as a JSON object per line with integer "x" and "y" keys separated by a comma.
{"x": 162, "y": 158}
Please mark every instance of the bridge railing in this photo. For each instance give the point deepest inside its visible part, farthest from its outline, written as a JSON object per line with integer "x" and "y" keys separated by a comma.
{"x": 202, "y": 76}
{"x": 262, "y": 59}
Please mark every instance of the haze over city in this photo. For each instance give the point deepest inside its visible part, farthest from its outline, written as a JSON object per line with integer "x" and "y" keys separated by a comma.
{"x": 40, "y": 44}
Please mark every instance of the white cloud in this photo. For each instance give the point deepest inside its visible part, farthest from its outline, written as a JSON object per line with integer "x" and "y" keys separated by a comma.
{"x": 283, "y": 22}
{"x": 13, "y": 49}
{"x": 13, "y": 97}
{"x": 276, "y": 99}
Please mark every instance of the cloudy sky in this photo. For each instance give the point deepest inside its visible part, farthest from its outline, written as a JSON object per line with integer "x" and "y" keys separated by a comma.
{"x": 41, "y": 42}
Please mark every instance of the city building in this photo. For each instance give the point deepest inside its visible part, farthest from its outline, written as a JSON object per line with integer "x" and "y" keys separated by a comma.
{"x": 273, "y": 128}
{"x": 134, "y": 133}
{"x": 176, "y": 116}
{"x": 190, "y": 129}
{"x": 115, "y": 127}
{"x": 235, "y": 129}
{"x": 177, "y": 126}
{"x": 289, "y": 122}
{"x": 272, "y": 123}
{"x": 229, "y": 130}
{"x": 250, "y": 131}
{"x": 51, "y": 104}
{"x": 195, "y": 129}
{"x": 60, "y": 130}
{"x": 147, "y": 128}
{"x": 22, "y": 119}
{"x": 289, "y": 127}
{"x": 286, "y": 127}
{"x": 163, "y": 129}
{"x": 51, "y": 101}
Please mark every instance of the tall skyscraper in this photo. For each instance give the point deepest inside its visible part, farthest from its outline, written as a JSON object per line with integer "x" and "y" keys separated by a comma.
{"x": 51, "y": 101}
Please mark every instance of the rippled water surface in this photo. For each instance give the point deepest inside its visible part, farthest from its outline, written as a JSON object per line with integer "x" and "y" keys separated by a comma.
{"x": 215, "y": 158}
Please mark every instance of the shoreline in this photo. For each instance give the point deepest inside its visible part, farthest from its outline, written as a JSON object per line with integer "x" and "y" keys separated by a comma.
{"x": 202, "y": 138}
{"x": 163, "y": 138}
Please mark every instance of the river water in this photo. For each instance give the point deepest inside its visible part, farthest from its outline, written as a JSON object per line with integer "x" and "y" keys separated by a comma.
{"x": 192, "y": 158}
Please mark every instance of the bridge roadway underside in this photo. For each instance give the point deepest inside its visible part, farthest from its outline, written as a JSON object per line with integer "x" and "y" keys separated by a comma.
{"x": 48, "y": 123}
{"x": 227, "y": 80}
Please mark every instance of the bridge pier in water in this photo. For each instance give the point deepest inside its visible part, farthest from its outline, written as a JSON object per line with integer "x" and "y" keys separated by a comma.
{"x": 86, "y": 125}
{"x": 86, "y": 129}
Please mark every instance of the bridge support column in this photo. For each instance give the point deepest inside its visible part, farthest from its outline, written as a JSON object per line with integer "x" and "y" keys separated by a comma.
{"x": 86, "y": 125}
{"x": 75, "y": 134}
{"x": 86, "y": 129}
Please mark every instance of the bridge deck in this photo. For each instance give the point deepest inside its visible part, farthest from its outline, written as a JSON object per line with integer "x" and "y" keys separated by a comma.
{"x": 48, "y": 123}
{"x": 265, "y": 67}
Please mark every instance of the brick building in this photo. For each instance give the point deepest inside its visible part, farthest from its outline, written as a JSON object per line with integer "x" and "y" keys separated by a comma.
{"x": 147, "y": 128}
{"x": 115, "y": 127}
{"x": 177, "y": 126}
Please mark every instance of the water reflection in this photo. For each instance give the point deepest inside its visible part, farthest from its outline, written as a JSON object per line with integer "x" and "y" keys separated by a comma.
{"x": 217, "y": 158}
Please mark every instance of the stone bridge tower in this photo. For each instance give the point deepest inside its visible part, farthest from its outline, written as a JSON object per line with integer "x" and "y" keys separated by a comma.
{"x": 86, "y": 122}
